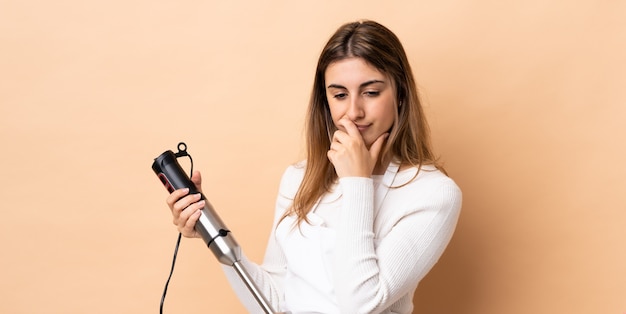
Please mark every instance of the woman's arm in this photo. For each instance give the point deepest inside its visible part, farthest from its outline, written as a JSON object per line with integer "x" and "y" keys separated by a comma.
{"x": 370, "y": 277}
{"x": 268, "y": 276}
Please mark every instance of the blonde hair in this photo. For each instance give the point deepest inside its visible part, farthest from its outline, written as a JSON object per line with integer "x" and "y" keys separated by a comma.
{"x": 409, "y": 138}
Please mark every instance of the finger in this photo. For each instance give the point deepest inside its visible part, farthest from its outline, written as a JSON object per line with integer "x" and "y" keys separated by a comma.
{"x": 175, "y": 196}
{"x": 196, "y": 178}
{"x": 331, "y": 155}
{"x": 350, "y": 127}
{"x": 187, "y": 200}
{"x": 189, "y": 218}
{"x": 335, "y": 146}
{"x": 378, "y": 145}
{"x": 340, "y": 137}
{"x": 187, "y": 212}
{"x": 183, "y": 204}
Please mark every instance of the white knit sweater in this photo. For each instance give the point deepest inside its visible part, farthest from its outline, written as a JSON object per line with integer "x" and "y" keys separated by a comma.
{"x": 365, "y": 249}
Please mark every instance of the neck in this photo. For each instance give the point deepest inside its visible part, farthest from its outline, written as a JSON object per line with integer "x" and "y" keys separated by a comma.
{"x": 381, "y": 165}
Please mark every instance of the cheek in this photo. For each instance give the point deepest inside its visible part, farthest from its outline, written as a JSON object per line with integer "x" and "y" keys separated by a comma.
{"x": 391, "y": 117}
{"x": 387, "y": 115}
{"x": 335, "y": 112}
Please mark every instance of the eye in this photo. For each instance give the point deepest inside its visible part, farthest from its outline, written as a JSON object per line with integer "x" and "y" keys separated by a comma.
{"x": 340, "y": 96}
{"x": 371, "y": 93}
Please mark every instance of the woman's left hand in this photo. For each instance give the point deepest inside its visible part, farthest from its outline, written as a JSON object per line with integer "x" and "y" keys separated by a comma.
{"x": 349, "y": 154}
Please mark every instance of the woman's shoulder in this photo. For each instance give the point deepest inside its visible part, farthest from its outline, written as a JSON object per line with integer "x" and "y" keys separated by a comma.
{"x": 429, "y": 188}
{"x": 291, "y": 179}
{"x": 425, "y": 178}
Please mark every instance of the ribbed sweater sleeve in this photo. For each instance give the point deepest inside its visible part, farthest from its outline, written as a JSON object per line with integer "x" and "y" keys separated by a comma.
{"x": 370, "y": 273}
{"x": 270, "y": 275}
{"x": 267, "y": 277}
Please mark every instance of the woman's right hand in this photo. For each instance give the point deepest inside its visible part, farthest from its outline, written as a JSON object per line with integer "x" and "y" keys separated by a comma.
{"x": 186, "y": 208}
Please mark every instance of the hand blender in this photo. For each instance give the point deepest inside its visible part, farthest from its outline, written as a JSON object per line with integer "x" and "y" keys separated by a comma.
{"x": 212, "y": 229}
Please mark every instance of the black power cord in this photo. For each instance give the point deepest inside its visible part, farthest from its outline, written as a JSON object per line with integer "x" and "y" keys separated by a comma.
{"x": 182, "y": 151}
{"x": 171, "y": 272}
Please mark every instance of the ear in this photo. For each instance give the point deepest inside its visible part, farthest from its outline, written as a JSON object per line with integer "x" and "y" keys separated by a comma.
{"x": 401, "y": 103}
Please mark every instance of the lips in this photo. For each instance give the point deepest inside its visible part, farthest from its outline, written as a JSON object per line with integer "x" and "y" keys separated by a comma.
{"x": 362, "y": 127}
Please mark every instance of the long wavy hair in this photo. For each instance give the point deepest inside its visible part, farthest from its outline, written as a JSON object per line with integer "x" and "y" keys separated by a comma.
{"x": 409, "y": 137}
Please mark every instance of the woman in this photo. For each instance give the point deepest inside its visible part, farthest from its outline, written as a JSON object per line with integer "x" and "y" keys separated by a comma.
{"x": 366, "y": 216}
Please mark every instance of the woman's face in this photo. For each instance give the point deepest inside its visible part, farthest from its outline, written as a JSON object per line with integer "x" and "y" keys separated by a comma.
{"x": 358, "y": 91}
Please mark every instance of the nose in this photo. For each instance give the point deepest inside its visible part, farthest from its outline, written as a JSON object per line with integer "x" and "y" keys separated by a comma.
{"x": 355, "y": 109}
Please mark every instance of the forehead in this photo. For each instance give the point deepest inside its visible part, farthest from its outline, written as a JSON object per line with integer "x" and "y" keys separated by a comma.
{"x": 354, "y": 70}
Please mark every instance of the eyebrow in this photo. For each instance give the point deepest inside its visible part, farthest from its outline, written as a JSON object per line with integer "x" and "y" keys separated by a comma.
{"x": 364, "y": 84}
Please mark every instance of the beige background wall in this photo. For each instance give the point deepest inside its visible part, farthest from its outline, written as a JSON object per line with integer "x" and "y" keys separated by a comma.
{"x": 525, "y": 98}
